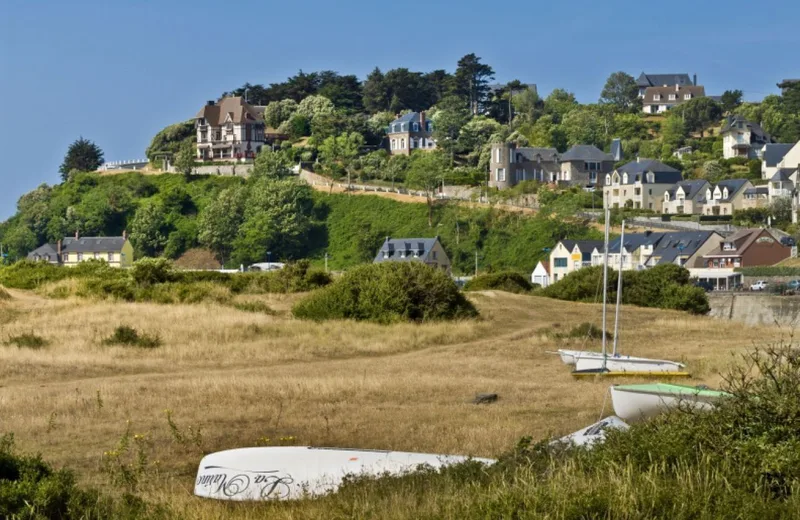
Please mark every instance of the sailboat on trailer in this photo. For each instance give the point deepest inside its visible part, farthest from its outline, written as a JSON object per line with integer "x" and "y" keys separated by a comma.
{"x": 592, "y": 364}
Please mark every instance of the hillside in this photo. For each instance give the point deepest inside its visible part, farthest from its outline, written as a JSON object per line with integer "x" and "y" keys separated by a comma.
{"x": 241, "y": 220}
{"x": 247, "y": 379}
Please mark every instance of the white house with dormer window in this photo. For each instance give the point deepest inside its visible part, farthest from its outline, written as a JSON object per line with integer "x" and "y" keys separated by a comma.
{"x": 684, "y": 198}
{"x": 640, "y": 184}
{"x": 725, "y": 197}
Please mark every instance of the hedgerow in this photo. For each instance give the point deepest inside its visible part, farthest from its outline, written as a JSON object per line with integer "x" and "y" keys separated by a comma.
{"x": 508, "y": 281}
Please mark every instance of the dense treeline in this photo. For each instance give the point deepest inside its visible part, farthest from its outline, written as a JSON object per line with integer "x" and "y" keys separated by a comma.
{"x": 242, "y": 220}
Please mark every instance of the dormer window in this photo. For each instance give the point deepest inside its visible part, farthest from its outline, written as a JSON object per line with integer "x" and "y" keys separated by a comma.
{"x": 666, "y": 197}
{"x": 656, "y": 97}
{"x": 651, "y": 177}
{"x": 708, "y": 194}
{"x": 687, "y": 96}
{"x": 416, "y": 127}
{"x": 728, "y": 246}
{"x": 608, "y": 179}
{"x": 672, "y": 97}
{"x": 725, "y": 193}
{"x": 624, "y": 178}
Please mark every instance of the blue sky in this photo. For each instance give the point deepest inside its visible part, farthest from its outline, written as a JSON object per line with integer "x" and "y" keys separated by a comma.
{"x": 118, "y": 71}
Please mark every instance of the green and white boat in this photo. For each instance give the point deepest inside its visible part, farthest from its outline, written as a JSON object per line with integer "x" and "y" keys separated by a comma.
{"x": 637, "y": 402}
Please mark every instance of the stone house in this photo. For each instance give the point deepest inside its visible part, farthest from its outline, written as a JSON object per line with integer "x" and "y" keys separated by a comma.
{"x": 510, "y": 165}
{"x": 684, "y": 197}
{"x": 426, "y": 250}
{"x": 639, "y": 184}
{"x": 756, "y": 197}
{"x": 412, "y": 131}
{"x": 71, "y": 251}
{"x": 585, "y": 164}
{"x": 644, "y": 81}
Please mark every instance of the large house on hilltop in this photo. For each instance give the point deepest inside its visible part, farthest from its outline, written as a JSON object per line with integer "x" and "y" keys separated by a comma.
{"x": 426, "y": 250}
{"x": 644, "y": 81}
{"x": 741, "y": 138}
{"x": 232, "y": 129}
{"x": 71, "y": 251}
{"x": 510, "y": 165}
{"x": 585, "y": 164}
{"x": 639, "y": 184}
{"x": 658, "y": 100}
{"x": 412, "y": 131}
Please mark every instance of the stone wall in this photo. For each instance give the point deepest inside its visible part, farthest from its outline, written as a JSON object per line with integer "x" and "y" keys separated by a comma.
{"x": 756, "y": 309}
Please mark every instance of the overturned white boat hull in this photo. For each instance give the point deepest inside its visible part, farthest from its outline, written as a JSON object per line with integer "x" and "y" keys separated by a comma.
{"x": 594, "y": 433}
{"x": 638, "y": 402}
{"x": 570, "y": 357}
{"x": 626, "y": 364}
{"x": 287, "y": 473}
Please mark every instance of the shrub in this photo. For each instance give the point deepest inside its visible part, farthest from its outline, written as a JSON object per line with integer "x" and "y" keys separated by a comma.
{"x": 386, "y": 293}
{"x": 664, "y": 286}
{"x": 28, "y": 340}
{"x": 504, "y": 281}
{"x": 4, "y": 294}
{"x": 294, "y": 277}
{"x": 30, "y": 275}
{"x": 129, "y": 337}
{"x": 151, "y": 271}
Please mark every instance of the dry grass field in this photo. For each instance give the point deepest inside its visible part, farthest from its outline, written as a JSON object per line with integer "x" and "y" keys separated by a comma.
{"x": 243, "y": 378}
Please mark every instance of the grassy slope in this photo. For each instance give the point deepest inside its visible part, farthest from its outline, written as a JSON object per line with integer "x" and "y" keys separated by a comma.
{"x": 241, "y": 377}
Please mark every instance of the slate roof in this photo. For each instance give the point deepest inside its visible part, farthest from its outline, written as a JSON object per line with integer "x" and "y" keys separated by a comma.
{"x": 586, "y": 246}
{"x": 658, "y": 80}
{"x": 585, "y": 152}
{"x": 634, "y": 241}
{"x": 46, "y": 251}
{"x": 405, "y": 249}
{"x": 616, "y": 150}
{"x": 757, "y": 190}
{"x": 636, "y": 169}
{"x": 530, "y": 154}
{"x": 690, "y": 188}
{"x": 783, "y": 174}
{"x": 92, "y": 244}
{"x": 733, "y": 123}
{"x": 403, "y": 123}
{"x": 683, "y": 243}
{"x": 775, "y": 152}
{"x": 733, "y": 185}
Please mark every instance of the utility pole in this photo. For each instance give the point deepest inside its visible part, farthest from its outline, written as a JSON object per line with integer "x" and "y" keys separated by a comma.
{"x": 326, "y": 262}
{"x": 476, "y": 263}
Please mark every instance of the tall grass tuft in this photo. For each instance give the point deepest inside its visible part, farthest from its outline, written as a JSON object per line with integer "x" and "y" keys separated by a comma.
{"x": 129, "y": 337}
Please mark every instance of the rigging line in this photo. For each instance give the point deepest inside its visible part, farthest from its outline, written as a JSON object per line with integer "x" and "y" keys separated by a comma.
{"x": 605, "y": 400}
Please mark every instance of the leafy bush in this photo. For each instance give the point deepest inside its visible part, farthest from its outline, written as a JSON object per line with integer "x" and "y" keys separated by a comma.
{"x": 294, "y": 277}
{"x": 151, "y": 271}
{"x": 504, "y": 281}
{"x": 129, "y": 337}
{"x": 28, "y": 340}
{"x": 386, "y": 293}
{"x": 664, "y": 286}
{"x": 30, "y": 275}
{"x": 769, "y": 270}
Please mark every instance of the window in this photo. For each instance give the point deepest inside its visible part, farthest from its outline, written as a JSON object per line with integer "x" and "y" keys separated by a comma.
{"x": 497, "y": 155}
{"x": 624, "y": 178}
{"x": 672, "y": 97}
{"x": 500, "y": 175}
{"x": 608, "y": 179}
{"x": 650, "y": 191}
{"x": 80, "y": 257}
{"x": 593, "y": 177}
{"x": 687, "y": 96}
{"x": 97, "y": 256}
{"x": 656, "y": 97}
{"x": 394, "y": 144}
{"x": 402, "y": 144}
{"x": 560, "y": 262}
{"x": 110, "y": 257}
{"x": 591, "y": 166}
{"x": 416, "y": 127}
{"x": 65, "y": 258}
{"x": 434, "y": 254}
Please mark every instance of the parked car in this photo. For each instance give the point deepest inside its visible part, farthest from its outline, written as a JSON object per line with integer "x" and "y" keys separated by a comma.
{"x": 788, "y": 241}
{"x": 794, "y": 285}
{"x": 759, "y": 286}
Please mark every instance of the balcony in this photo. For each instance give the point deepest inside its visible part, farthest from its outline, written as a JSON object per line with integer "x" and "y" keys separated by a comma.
{"x": 780, "y": 193}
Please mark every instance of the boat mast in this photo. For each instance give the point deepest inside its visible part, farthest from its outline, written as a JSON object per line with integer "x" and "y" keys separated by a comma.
{"x": 619, "y": 287}
{"x": 605, "y": 281}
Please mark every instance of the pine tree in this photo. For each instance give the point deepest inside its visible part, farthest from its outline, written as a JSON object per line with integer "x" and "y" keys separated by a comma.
{"x": 82, "y": 155}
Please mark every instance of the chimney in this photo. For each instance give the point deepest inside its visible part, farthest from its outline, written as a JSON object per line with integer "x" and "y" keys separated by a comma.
{"x": 638, "y": 159}
{"x": 677, "y": 87}
{"x": 58, "y": 249}
{"x": 125, "y": 234}
{"x": 77, "y": 234}
{"x": 210, "y": 103}
{"x": 422, "y": 121}
{"x": 694, "y": 80}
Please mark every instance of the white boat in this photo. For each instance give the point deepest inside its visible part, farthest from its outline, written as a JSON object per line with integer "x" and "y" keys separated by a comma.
{"x": 593, "y": 433}
{"x": 637, "y": 402}
{"x": 288, "y": 473}
{"x": 616, "y": 364}
{"x": 570, "y": 357}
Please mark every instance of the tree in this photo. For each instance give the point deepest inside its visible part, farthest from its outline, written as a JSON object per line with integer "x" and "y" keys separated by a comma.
{"x": 731, "y": 99}
{"x": 408, "y": 90}
{"x": 313, "y": 106}
{"x": 673, "y": 132}
{"x": 621, "y": 91}
{"x": 274, "y": 165}
{"x": 148, "y": 229}
{"x": 781, "y": 210}
{"x": 475, "y": 135}
{"x": 375, "y": 93}
{"x": 448, "y": 120}
{"x": 184, "y": 159}
{"x": 585, "y": 125}
{"x": 341, "y": 151}
{"x": 170, "y": 139}
{"x": 426, "y": 173}
{"x": 220, "y": 221}
{"x": 471, "y": 82}
{"x": 527, "y": 105}
{"x": 396, "y": 168}
{"x": 279, "y": 111}
{"x": 82, "y": 155}
{"x": 699, "y": 113}
{"x": 559, "y": 103}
